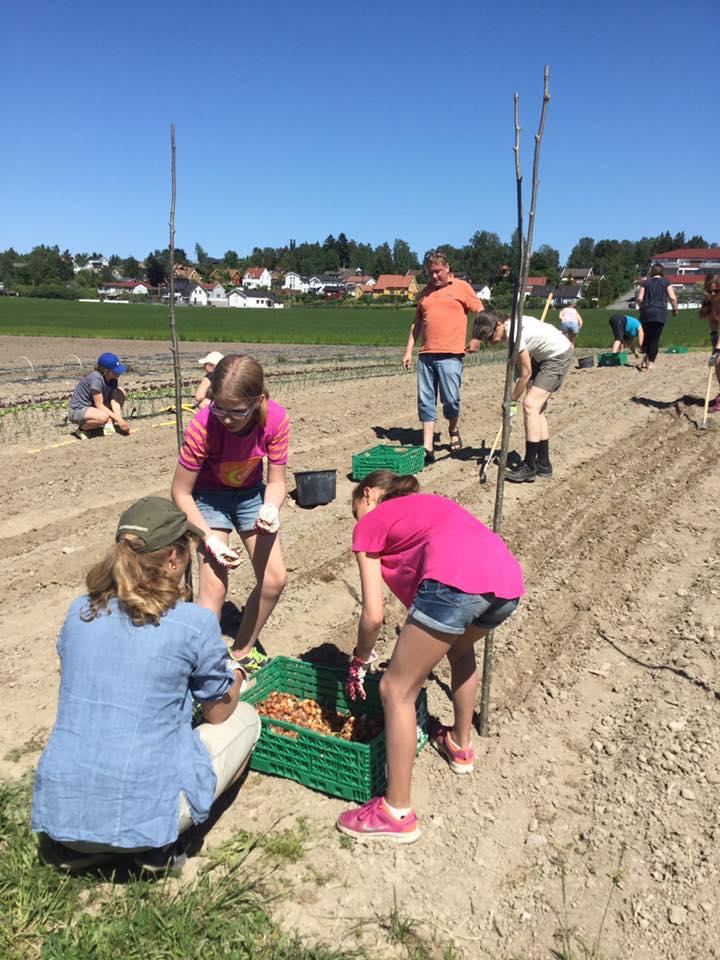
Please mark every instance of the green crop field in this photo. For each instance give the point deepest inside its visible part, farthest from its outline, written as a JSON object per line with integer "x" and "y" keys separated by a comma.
{"x": 379, "y": 326}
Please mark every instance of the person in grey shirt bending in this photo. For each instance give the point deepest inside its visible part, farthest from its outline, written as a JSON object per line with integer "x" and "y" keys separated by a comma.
{"x": 96, "y": 402}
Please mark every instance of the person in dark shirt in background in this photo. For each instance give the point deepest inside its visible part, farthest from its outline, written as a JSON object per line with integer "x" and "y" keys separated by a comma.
{"x": 652, "y": 299}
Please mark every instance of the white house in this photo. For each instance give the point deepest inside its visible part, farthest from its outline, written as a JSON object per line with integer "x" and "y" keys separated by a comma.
{"x": 256, "y": 277}
{"x": 319, "y": 283}
{"x": 198, "y": 296}
{"x": 215, "y": 293}
{"x": 114, "y": 288}
{"x": 296, "y": 281}
{"x": 237, "y": 298}
{"x": 94, "y": 263}
{"x": 253, "y": 299}
{"x": 482, "y": 290}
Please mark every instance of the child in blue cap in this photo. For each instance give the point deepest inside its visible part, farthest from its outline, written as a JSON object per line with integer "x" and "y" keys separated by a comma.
{"x": 96, "y": 402}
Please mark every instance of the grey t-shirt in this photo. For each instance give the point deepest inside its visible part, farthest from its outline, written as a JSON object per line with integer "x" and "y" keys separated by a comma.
{"x": 91, "y": 383}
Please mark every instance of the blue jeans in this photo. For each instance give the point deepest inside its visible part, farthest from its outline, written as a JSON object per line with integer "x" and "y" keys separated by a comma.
{"x": 449, "y": 610}
{"x": 439, "y": 373}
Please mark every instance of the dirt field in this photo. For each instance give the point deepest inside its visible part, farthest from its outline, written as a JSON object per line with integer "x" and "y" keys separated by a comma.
{"x": 607, "y": 680}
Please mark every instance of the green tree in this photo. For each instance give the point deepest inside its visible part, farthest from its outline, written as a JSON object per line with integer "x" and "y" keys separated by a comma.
{"x": 383, "y": 260}
{"x": 155, "y": 269}
{"x": 403, "y": 257}
{"x": 131, "y": 269}
{"x": 582, "y": 254}
{"x": 230, "y": 258}
{"x": 545, "y": 262}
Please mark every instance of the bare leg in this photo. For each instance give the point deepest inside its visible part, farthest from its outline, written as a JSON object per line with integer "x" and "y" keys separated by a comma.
{"x": 417, "y": 651}
{"x": 616, "y": 346}
{"x": 429, "y": 434}
{"x": 95, "y": 419}
{"x": 534, "y": 404}
{"x": 271, "y": 577}
{"x": 464, "y": 682}
{"x": 213, "y": 584}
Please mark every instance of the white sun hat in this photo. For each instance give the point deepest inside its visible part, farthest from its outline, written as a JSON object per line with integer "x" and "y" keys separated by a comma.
{"x": 214, "y": 357}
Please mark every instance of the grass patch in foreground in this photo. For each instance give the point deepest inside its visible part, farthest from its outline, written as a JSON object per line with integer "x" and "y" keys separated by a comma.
{"x": 218, "y": 915}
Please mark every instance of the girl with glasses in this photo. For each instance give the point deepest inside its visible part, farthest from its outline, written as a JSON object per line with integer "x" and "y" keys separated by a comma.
{"x": 219, "y": 484}
{"x": 711, "y": 310}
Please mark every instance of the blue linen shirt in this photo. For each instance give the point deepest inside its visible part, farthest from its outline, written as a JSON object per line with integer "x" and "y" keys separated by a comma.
{"x": 123, "y": 746}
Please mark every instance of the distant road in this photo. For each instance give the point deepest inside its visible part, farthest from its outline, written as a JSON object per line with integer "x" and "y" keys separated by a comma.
{"x": 622, "y": 302}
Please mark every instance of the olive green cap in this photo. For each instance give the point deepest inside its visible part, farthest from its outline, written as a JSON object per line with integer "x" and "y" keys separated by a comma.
{"x": 157, "y": 522}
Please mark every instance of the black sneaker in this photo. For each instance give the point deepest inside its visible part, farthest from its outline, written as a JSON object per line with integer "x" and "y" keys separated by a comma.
{"x": 162, "y": 860}
{"x": 521, "y": 474}
{"x": 429, "y": 457}
{"x": 543, "y": 470}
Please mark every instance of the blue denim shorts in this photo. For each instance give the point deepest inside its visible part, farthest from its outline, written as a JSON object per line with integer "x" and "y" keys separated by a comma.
{"x": 439, "y": 374}
{"x": 225, "y": 509}
{"x": 449, "y": 610}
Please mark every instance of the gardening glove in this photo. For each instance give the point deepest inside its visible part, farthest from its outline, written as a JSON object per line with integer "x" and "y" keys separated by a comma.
{"x": 221, "y": 552}
{"x": 268, "y": 518}
{"x": 513, "y": 407}
{"x": 357, "y": 671}
{"x": 714, "y": 357}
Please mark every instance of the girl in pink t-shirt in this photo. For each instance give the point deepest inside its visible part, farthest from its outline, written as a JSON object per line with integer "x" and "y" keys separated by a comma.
{"x": 218, "y": 482}
{"x": 458, "y": 581}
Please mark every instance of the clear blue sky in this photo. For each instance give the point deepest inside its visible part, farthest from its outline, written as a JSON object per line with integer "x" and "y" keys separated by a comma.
{"x": 382, "y": 120}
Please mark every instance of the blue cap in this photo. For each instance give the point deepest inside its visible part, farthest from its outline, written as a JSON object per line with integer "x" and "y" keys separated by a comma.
{"x": 111, "y": 362}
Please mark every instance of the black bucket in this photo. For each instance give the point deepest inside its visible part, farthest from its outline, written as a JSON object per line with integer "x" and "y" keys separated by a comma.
{"x": 315, "y": 487}
{"x": 584, "y": 363}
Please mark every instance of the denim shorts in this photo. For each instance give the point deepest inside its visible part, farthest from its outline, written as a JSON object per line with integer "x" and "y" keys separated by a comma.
{"x": 225, "y": 509}
{"x": 449, "y": 610}
{"x": 439, "y": 373}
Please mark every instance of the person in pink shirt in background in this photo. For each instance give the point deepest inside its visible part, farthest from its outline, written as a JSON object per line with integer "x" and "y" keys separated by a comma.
{"x": 459, "y": 581}
{"x": 218, "y": 483}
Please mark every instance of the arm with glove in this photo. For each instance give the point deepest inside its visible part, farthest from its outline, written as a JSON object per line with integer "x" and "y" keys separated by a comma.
{"x": 371, "y": 620}
{"x": 181, "y": 491}
{"x": 268, "y": 520}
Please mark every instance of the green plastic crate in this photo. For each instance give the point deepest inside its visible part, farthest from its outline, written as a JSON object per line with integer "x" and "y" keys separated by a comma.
{"x": 401, "y": 460}
{"x": 612, "y": 359}
{"x": 354, "y": 771}
{"x": 674, "y": 348}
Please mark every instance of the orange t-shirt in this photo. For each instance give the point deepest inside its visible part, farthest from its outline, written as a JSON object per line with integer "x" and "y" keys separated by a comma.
{"x": 443, "y": 316}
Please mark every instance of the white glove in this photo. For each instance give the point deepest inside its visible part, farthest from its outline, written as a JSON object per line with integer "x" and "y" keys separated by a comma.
{"x": 268, "y": 518}
{"x": 221, "y": 552}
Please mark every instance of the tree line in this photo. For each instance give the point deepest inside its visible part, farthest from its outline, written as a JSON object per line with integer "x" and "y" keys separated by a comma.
{"x": 45, "y": 271}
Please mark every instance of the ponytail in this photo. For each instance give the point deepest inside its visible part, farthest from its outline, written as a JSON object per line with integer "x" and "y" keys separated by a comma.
{"x": 391, "y": 484}
{"x": 144, "y": 583}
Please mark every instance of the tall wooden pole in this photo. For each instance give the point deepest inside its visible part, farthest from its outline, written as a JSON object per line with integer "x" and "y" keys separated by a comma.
{"x": 523, "y": 267}
{"x": 173, "y": 328}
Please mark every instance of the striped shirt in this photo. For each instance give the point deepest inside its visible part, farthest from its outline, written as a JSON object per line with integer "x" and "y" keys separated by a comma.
{"x": 223, "y": 459}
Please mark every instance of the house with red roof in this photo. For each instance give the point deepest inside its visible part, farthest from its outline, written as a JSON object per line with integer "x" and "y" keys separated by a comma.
{"x": 256, "y": 277}
{"x": 694, "y": 260}
{"x": 395, "y": 285}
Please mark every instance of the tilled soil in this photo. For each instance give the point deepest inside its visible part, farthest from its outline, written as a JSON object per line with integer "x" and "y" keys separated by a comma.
{"x": 606, "y": 684}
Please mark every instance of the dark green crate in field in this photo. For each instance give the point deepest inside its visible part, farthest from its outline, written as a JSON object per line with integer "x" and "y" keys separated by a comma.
{"x": 342, "y": 768}
{"x": 675, "y": 348}
{"x": 613, "y": 359}
{"x": 401, "y": 460}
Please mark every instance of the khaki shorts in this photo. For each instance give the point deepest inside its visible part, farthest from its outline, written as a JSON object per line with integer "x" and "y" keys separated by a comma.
{"x": 549, "y": 374}
{"x": 229, "y": 745}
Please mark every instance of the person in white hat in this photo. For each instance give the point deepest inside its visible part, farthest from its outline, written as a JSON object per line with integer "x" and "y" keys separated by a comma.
{"x": 203, "y": 394}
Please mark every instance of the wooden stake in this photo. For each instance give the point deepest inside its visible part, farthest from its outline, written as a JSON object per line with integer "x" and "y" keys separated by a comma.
{"x": 174, "y": 347}
{"x": 546, "y": 307}
{"x": 524, "y": 249}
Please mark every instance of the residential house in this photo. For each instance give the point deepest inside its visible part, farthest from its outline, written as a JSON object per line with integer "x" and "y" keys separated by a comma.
{"x": 688, "y": 288}
{"x": 198, "y": 296}
{"x": 255, "y": 278}
{"x": 573, "y": 275}
{"x": 95, "y": 264}
{"x": 532, "y": 284}
{"x": 567, "y": 295}
{"x": 276, "y": 279}
{"x": 112, "y": 289}
{"x": 296, "y": 281}
{"x": 691, "y": 260}
{"x": 362, "y": 289}
{"x": 216, "y": 295}
{"x": 185, "y": 271}
{"x": 322, "y": 283}
{"x": 482, "y": 290}
{"x": 235, "y": 277}
{"x": 395, "y": 285}
{"x": 253, "y": 299}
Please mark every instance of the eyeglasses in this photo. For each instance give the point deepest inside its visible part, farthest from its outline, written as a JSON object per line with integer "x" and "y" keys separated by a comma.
{"x": 234, "y": 414}
{"x": 714, "y": 290}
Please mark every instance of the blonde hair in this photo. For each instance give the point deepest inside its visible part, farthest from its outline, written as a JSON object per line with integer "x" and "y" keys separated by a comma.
{"x": 241, "y": 378}
{"x": 436, "y": 256}
{"x": 391, "y": 484}
{"x": 143, "y": 583}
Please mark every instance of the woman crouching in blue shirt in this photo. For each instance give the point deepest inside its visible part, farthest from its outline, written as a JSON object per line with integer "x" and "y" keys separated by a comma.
{"x": 124, "y": 771}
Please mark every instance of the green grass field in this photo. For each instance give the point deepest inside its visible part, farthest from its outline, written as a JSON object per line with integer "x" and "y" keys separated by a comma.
{"x": 380, "y": 326}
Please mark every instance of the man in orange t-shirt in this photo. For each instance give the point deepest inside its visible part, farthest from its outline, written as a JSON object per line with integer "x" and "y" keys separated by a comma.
{"x": 441, "y": 321}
